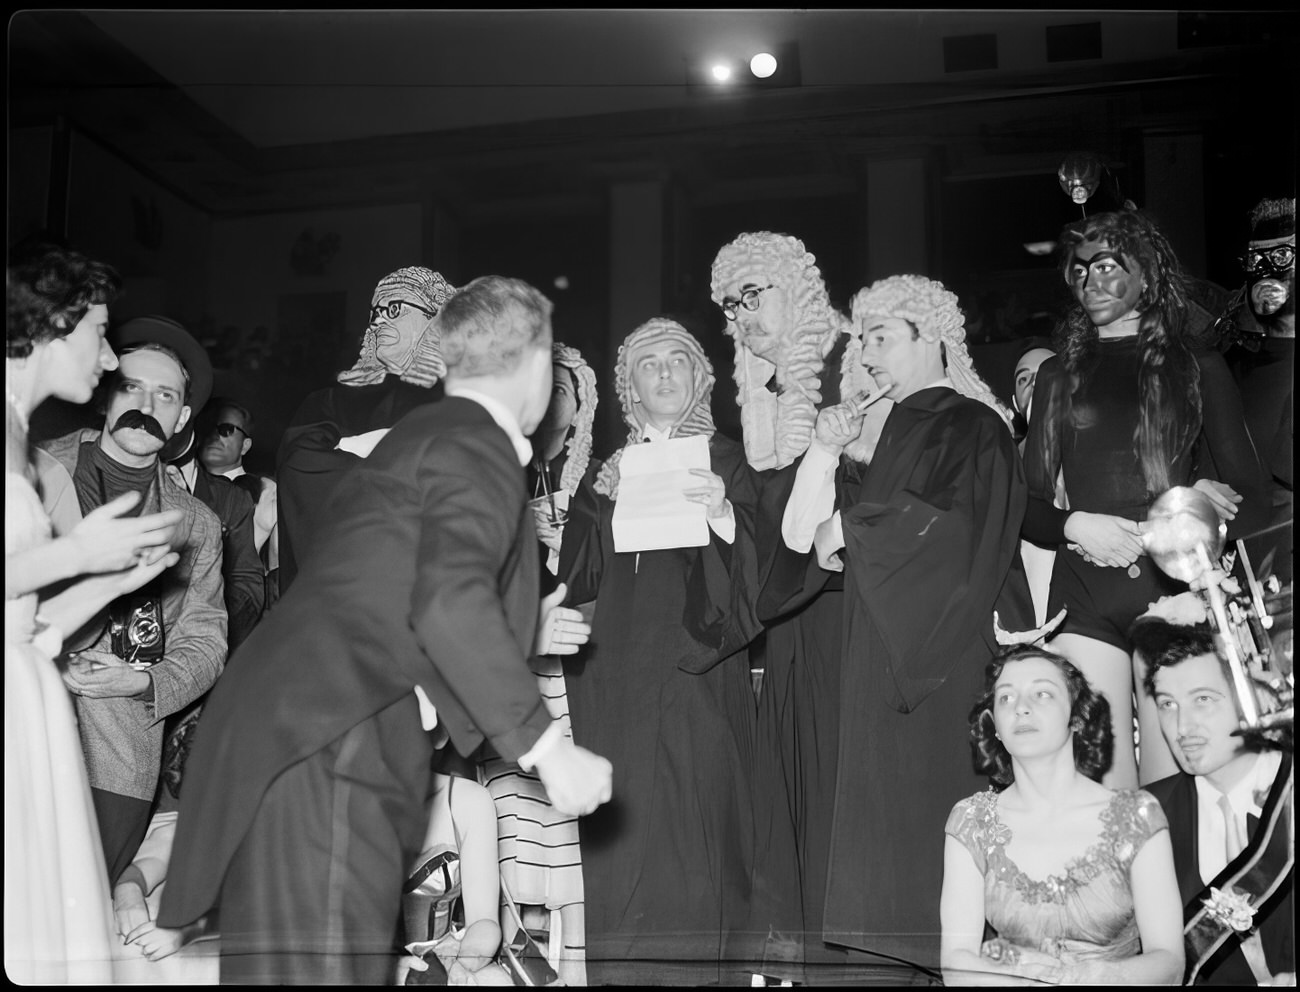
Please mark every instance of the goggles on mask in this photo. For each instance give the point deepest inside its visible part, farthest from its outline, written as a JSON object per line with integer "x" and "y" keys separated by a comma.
{"x": 1274, "y": 260}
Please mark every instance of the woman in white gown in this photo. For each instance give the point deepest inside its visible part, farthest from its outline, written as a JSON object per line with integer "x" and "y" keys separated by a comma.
{"x": 58, "y": 925}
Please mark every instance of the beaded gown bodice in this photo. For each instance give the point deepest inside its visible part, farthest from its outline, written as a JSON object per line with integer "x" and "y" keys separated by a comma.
{"x": 1087, "y": 911}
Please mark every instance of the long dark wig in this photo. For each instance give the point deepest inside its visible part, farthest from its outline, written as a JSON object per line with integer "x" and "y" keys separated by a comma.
{"x": 1169, "y": 395}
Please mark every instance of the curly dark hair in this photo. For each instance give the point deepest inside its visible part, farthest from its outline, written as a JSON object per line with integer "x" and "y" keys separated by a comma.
{"x": 48, "y": 289}
{"x": 1094, "y": 742}
{"x": 1164, "y": 644}
{"x": 1169, "y": 395}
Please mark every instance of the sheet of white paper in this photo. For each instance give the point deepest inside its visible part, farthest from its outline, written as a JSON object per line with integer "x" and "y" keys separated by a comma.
{"x": 651, "y": 512}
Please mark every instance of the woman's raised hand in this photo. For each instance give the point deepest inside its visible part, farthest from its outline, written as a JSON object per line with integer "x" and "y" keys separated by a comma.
{"x": 108, "y": 542}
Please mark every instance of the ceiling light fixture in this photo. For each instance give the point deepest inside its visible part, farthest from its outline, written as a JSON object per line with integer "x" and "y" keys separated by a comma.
{"x": 762, "y": 65}
{"x": 1039, "y": 248}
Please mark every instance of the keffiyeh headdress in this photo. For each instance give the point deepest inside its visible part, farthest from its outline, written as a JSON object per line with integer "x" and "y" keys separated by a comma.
{"x": 414, "y": 284}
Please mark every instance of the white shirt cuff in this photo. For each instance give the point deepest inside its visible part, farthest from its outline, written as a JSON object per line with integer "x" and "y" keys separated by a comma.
{"x": 552, "y": 736}
{"x": 725, "y": 526}
{"x": 428, "y": 715}
{"x": 812, "y": 498}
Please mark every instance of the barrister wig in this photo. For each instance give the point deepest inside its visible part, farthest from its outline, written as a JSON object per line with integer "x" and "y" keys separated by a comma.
{"x": 578, "y": 446}
{"x": 1094, "y": 740}
{"x": 778, "y": 427}
{"x": 413, "y": 284}
{"x": 698, "y": 418}
{"x": 933, "y": 310}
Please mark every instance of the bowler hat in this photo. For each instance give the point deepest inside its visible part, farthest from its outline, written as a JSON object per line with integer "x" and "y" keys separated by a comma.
{"x": 167, "y": 332}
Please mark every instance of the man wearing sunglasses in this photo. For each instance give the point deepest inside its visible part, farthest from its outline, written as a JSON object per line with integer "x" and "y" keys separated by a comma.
{"x": 1260, "y": 335}
{"x": 400, "y": 368}
{"x": 227, "y": 439}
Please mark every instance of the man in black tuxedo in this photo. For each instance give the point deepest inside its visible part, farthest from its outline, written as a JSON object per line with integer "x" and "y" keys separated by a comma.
{"x": 1215, "y": 803}
{"x": 305, "y": 798}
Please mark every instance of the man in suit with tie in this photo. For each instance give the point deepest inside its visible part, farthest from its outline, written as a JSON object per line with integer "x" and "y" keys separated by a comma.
{"x": 305, "y": 798}
{"x": 1215, "y": 803}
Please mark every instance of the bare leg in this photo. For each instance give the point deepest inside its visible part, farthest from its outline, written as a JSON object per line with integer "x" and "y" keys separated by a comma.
{"x": 1155, "y": 760}
{"x": 573, "y": 951}
{"x": 1109, "y": 670}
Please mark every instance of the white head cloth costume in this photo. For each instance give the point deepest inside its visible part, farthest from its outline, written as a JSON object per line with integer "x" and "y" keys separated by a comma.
{"x": 414, "y": 284}
{"x": 697, "y": 418}
{"x": 578, "y": 446}
{"x": 934, "y": 311}
{"x": 778, "y": 426}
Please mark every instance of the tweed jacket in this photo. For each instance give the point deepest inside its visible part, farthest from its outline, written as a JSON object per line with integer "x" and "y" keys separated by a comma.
{"x": 123, "y": 736}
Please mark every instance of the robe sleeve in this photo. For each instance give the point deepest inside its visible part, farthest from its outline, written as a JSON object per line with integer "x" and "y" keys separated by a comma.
{"x": 582, "y": 551}
{"x": 722, "y": 585}
{"x": 789, "y": 579}
{"x": 926, "y": 563}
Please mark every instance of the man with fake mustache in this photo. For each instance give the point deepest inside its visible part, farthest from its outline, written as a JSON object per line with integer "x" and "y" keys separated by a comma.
{"x": 161, "y": 648}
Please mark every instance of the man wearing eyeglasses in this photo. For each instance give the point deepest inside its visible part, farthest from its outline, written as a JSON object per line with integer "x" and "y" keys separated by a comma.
{"x": 400, "y": 368}
{"x": 1259, "y": 340}
{"x": 789, "y": 360}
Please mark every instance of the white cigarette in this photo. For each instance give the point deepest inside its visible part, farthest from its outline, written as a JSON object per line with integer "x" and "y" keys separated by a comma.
{"x": 870, "y": 400}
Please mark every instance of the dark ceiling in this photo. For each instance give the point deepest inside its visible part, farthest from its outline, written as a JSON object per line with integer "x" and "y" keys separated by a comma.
{"x": 494, "y": 113}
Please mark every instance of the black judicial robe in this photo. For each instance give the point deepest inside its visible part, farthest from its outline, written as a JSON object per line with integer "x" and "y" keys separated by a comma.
{"x": 424, "y": 572}
{"x": 931, "y": 536}
{"x": 308, "y": 463}
{"x": 798, "y": 723}
{"x": 663, "y": 691}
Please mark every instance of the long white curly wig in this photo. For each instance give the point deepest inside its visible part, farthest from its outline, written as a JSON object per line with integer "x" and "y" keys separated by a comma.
{"x": 778, "y": 427}
{"x": 578, "y": 446}
{"x": 934, "y": 310}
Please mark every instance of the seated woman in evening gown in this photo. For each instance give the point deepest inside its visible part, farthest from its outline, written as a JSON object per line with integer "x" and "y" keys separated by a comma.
{"x": 1075, "y": 880}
